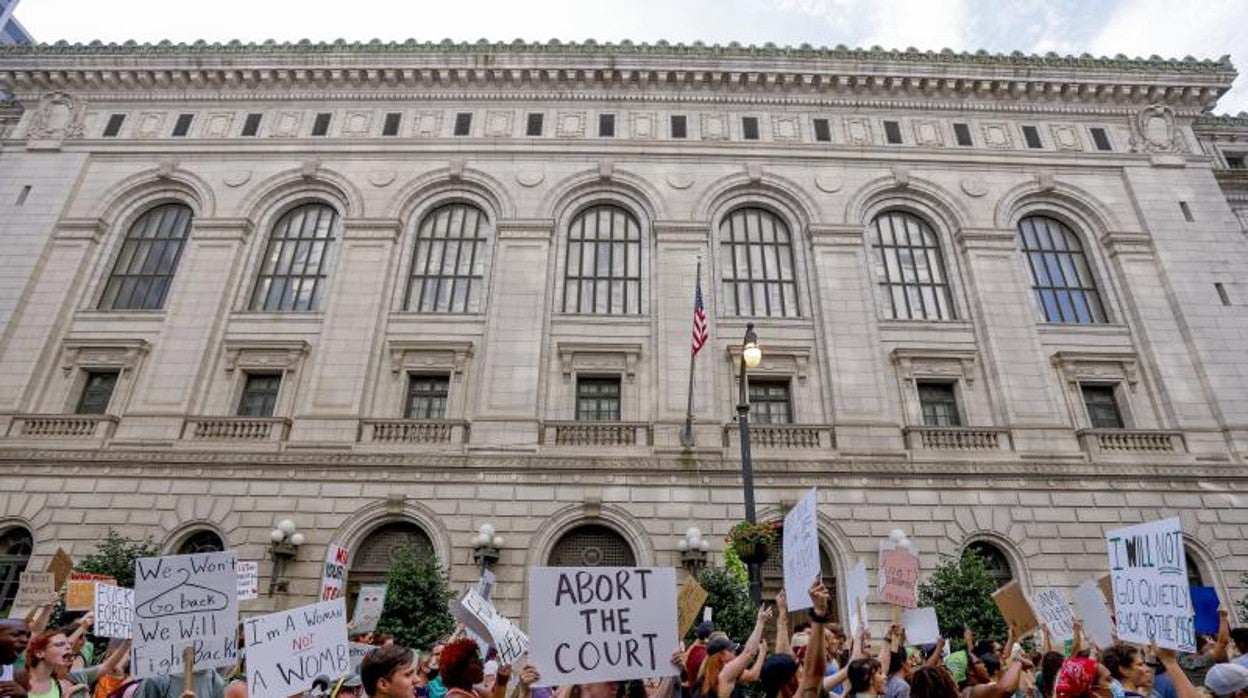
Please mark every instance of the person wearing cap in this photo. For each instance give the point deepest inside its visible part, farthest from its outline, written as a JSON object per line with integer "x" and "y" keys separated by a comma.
{"x": 696, "y": 654}
{"x": 1227, "y": 680}
{"x": 349, "y": 686}
{"x": 723, "y": 668}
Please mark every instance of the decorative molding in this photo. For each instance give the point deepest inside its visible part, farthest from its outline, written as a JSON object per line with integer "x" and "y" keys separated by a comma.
{"x": 264, "y": 355}
{"x": 120, "y": 354}
{"x": 59, "y": 116}
{"x": 858, "y": 131}
{"x": 917, "y": 364}
{"x": 237, "y": 178}
{"x": 1066, "y": 137}
{"x": 593, "y": 357}
{"x": 786, "y": 128}
{"x": 498, "y": 123}
{"x": 928, "y": 133}
{"x": 217, "y": 124}
{"x": 90, "y": 229}
{"x": 644, "y": 125}
{"x": 427, "y": 124}
{"x": 530, "y": 178}
{"x": 570, "y": 124}
{"x": 997, "y": 135}
{"x": 973, "y": 186}
{"x": 679, "y": 180}
{"x": 1153, "y": 131}
{"x": 1116, "y": 366}
{"x": 407, "y": 355}
{"x": 357, "y": 123}
{"x": 778, "y": 360}
{"x": 714, "y": 127}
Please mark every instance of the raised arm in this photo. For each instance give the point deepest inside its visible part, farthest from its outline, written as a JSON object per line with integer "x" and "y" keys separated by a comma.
{"x": 1224, "y": 636}
{"x": 733, "y": 669}
{"x": 751, "y": 675}
{"x": 937, "y": 657}
{"x": 1046, "y": 639}
{"x": 1076, "y": 645}
{"x": 112, "y": 662}
{"x": 816, "y": 663}
{"x": 1008, "y": 684}
{"x": 783, "y": 645}
{"x": 1183, "y": 687}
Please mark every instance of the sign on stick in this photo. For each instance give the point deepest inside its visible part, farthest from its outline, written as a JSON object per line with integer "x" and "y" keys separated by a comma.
{"x": 114, "y": 611}
{"x": 688, "y": 601}
{"x": 1054, "y": 612}
{"x": 484, "y": 621}
{"x": 1148, "y": 565}
{"x": 1016, "y": 609}
{"x": 801, "y": 551}
{"x": 900, "y": 571}
{"x": 184, "y": 601}
{"x": 60, "y": 565}
{"x": 368, "y": 607}
{"x": 287, "y": 650}
{"x": 858, "y": 587}
{"x": 1090, "y": 605}
{"x": 34, "y": 590}
{"x": 334, "y": 580}
{"x": 80, "y": 591}
{"x": 920, "y": 625}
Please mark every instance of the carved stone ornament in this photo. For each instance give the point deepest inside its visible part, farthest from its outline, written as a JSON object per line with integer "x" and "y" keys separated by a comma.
{"x": 828, "y": 182}
{"x": 1152, "y": 131}
{"x": 576, "y": 357}
{"x": 263, "y": 355}
{"x": 120, "y": 354}
{"x": 858, "y": 130}
{"x": 714, "y": 127}
{"x": 645, "y": 125}
{"x": 530, "y": 178}
{"x": 778, "y": 360}
{"x": 1066, "y": 137}
{"x": 679, "y": 180}
{"x": 237, "y": 178}
{"x": 1078, "y": 366}
{"x": 382, "y": 178}
{"x": 786, "y": 128}
{"x": 59, "y": 115}
{"x": 974, "y": 186}
{"x": 430, "y": 355}
{"x": 951, "y": 364}
{"x": 927, "y": 133}
{"x": 570, "y": 124}
{"x": 498, "y": 123}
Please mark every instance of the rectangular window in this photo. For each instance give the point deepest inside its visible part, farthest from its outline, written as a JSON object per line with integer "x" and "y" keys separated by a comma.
{"x": 1031, "y": 135}
{"x": 770, "y": 402}
{"x": 606, "y": 125}
{"x": 320, "y": 126}
{"x": 1222, "y": 294}
{"x": 1102, "y": 406}
{"x": 962, "y": 134}
{"x": 391, "y": 126}
{"x": 463, "y": 123}
{"x": 251, "y": 125}
{"x": 1234, "y": 161}
{"x": 426, "y": 397}
{"x": 822, "y": 131}
{"x": 535, "y": 124}
{"x": 598, "y": 399}
{"x": 1187, "y": 212}
{"x": 1100, "y": 139}
{"x": 97, "y": 391}
{"x": 680, "y": 126}
{"x": 749, "y": 128}
{"x": 939, "y": 404}
{"x": 259, "y": 395}
{"x": 183, "y": 125}
{"x": 892, "y": 132}
{"x": 21, "y": 196}
{"x": 113, "y": 127}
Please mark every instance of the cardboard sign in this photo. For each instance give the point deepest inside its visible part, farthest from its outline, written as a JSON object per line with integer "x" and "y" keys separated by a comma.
{"x": 181, "y": 601}
{"x": 899, "y": 570}
{"x": 801, "y": 551}
{"x": 1090, "y": 605}
{"x": 920, "y": 625}
{"x": 1015, "y": 608}
{"x": 358, "y": 651}
{"x": 334, "y": 580}
{"x": 248, "y": 580}
{"x": 1054, "y": 613}
{"x": 114, "y": 610}
{"x": 485, "y": 585}
{"x": 34, "y": 590}
{"x": 688, "y": 601}
{"x": 1205, "y": 608}
{"x": 80, "y": 591}
{"x": 482, "y": 619}
{"x": 61, "y": 565}
{"x": 602, "y": 623}
{"x": 287, "y": 650}
{"x": 1148, "y": 565}
{"x": 858, "y": 590}
{"x": 1106, "y": 584}
{"x": 368, "y": 607}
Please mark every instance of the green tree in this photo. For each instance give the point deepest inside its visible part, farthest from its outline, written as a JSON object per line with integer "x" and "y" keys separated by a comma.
{"x": 1242, "y": 605}
{"x": 960, "y": 590}
{"x": 418, "y": 593}
{"x": 115, "y": 556}
{"x": 728, "y": 596}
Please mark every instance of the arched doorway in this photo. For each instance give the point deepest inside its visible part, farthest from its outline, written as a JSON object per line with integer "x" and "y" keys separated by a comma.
{"x": 995, "y": 561}
{"x": 371, "y": 560}
{"x": 16, "y": 545}
{"x": 592, "y": 545}
{"x": 773, "y": 580}
{"x": 202, "y": 541}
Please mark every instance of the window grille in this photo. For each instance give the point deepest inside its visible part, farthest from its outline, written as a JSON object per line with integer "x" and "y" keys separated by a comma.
{"x": 201, "y": 542}
{"x": 995, "y": 561}
{"x": 910, "y": 268}
{"x": 148, "y": 259}
{"x": 770, "y": 402}
{"x": 756, "y": 263}
{"x": 592, "y": 545}
{"x": 448, "y": 266}
{"x": 426, "y": 397}
{"x": 295, "y": 267}
{"x": 939, "y": 404}
{"x": 259, "y": 395}
{"x": 1103, "y": 412}
{"x": 602, "y": 271}
{"x": 598, "y": 399}
{"x": 1060, "y": 275}
{"x": 97, "y": 391}
{"x": 15, "y": 547}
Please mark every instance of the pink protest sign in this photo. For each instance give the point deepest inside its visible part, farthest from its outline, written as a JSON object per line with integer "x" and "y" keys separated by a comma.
{"x": 900, "y": 570}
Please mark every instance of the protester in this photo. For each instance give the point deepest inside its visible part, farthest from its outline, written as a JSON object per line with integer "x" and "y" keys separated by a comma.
{"x": 461, "y": 668}
{"x": 697, "y": 653}
{"x": 47, "y": 656}
{"x": 386, "y": 672}
{"x": 14, "y": 636}
{"x": 723, "y": 668}
{"x": 1228, "y": 680}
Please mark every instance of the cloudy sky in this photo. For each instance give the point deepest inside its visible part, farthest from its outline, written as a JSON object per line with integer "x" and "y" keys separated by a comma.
{"x": 1170, "y": 28}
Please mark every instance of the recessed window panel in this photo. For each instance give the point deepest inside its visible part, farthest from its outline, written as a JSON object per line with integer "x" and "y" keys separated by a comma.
{"x": 757, "y": 264}
{"x": 1061, "y": 277}
{"x": 295, "y": 267}
{"x": 910, "y": 268}
{"x": 448, "y": 264}
{"x": 147, "y": 260}
{"x": 602, "y": 270}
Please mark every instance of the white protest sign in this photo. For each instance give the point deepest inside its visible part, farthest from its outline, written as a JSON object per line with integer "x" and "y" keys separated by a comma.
{"x": 34, "y": 590}
{"x": 602, "y": 623}
{"x": 1152, "y": 600}
{"x": 920, "y": 625}
{"x": 6, "y": 672}
{"x": 334, "y": 580}
{"x": 114, "y": 611}
{"x": 183, "y": 600}
{"x": 287, "y": 650}
{"x": 1090, "y": 605}
{"x": 480, "y": 617}
{"x": 485, "y": 585}
{"x": 248, "y": 580}
{"x": 358, "y": 651}
{"x": 858, "y": 587}
{"x": 801, "y": 551}
{"x": 1054, "y": 612}
{"x": 368, "y": 607}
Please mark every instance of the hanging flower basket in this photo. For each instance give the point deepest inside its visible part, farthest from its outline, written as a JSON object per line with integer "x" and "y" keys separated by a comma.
{"x": 752, "y": 541}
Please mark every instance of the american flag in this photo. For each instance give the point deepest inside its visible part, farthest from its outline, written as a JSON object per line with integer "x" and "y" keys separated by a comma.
{"x": 699, "y": 319}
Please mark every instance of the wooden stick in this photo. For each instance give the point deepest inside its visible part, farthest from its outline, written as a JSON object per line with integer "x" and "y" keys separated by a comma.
{"x": 188, "y": 669}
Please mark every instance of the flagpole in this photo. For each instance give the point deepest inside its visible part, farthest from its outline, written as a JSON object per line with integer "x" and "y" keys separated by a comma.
{"x": 686, "y": 435}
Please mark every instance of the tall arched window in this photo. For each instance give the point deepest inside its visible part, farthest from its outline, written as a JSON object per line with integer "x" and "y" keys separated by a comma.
{"x": 997, "y": 563}
{"x": 756, "y": 261}
{"x": 448, "y": 266}
{"x": 148, "y": 259}
{"x": 1060, "y": 275}
{"x": 371, "y": 561}
{"x": 295, "y": 268}
{"x": 910, "y": 268}
{"x": 201, "y": 542}
{"x": 592, "y": 545}
{"x": 15, "y": 547}
{"x": 602, "y": 273}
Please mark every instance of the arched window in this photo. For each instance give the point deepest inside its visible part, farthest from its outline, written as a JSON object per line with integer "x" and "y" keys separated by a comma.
{"x": 910, "y": 268}
{"x": 448, "y": 266}
{"x": 1195, "y": 576}
{"x": 15, "y": 548}
{"x": 602, "y": 273}
{"x": 592, "y": 545}
{"x": 756, "y": 262}
{"x": 1060, "y": 275}
{"x": 201, "y": 542}
{"x": 295, "y": 268}
{"x": 148, "y": 259}
{"x": 997, "y": 563}
{"x": 371, "y": 560}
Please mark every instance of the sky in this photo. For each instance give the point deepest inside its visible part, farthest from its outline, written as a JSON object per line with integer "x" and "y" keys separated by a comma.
{"x": 1168, "y": 28}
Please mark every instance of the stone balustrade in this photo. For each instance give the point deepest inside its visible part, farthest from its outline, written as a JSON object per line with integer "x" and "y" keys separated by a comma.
{"x": 62, "y": 426}
{"x": 596, "y": 434}
{"x": 1110, "y": 441}
{"x": 413, "y": 431}
{"x": 956, "y": 438}
{"x": 236, "y": 429}
{"x": 782, "y": 436}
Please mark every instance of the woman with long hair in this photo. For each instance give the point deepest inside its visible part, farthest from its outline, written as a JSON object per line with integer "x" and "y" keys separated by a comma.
{"x": 47, "y": 658}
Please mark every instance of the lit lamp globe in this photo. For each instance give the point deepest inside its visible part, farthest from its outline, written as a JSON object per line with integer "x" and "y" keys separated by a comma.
{"x": 752, "y": 354}
{"x": 296, "y": 540}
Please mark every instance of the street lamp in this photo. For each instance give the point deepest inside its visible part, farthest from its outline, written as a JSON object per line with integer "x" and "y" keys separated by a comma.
{"x": 284, "y": 546}
{"x": 693, "y": 548}
{"x": 751, "y": 357}
{"x": 485, "y": 546}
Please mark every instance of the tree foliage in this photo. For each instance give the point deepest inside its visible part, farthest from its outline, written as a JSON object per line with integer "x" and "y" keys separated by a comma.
{"x": 960, "y": 590}
{"x": 728, "y": 595}
{"x": 1241, "y": 606}
{"x": 416, "y": 611}
{"x": 115, "y": 556}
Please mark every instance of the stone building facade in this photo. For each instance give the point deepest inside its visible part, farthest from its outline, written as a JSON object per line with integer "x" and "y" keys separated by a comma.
{"x": 395, "y": 291}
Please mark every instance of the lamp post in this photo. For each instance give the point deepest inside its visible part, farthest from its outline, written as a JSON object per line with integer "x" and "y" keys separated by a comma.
{"x": 284, "y": 546}
{"x": 693, "y": 548}
{"x": 485, "y": 547}
{"x": 751, "y": 357}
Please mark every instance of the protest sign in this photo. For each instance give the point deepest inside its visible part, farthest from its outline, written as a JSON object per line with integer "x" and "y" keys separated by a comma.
{"x": 80, "y": 591}
{"x": 368, "y": 607}
{"x": 1148, "y": 566}
{"x": 287, "y": 650}
{"x": 801, "y": 551}
{"x": 899, "y": 572}
{"x": 334, "y": 581}
{"x": 1205, "y": 609}
{"x": 358, "y": 650}
{"x": 248, "y": 580}
{"x": 181, "y": 601}
{"x": 1015, "y": 608}
{"x": 858, "y": 588}
{"x": 1054, "y": 612}
{"x": 114, "y": 610}
{"x": 6, "y": 672}
{"x": 485, "y": 585}
{"x": 688, "y": 601}
{"x": 1106, "y": 584}
{"x": 61, "y": 565}
{"x": 1090, "y": 605}
{"x": 482, "y": 619}
{"x": 34, "y": 590}
{"x": 920, "y": 625}
{"x": 706, "y": 614}
{"x": 602, "y": 623}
